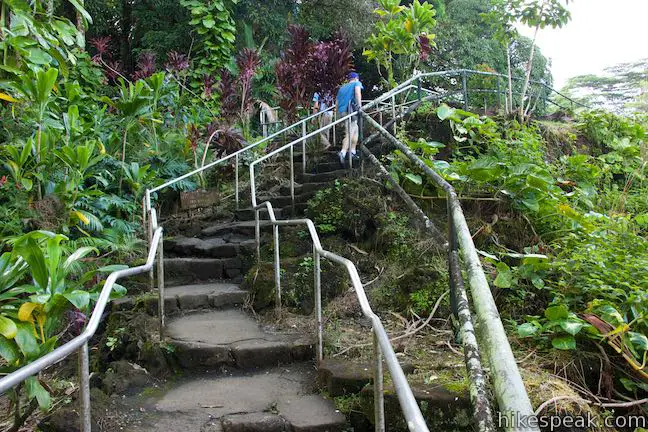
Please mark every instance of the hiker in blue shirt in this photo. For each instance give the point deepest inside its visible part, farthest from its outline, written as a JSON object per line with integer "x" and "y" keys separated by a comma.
{"x": 349, "y": 100}
{"x": 322, "y": 104}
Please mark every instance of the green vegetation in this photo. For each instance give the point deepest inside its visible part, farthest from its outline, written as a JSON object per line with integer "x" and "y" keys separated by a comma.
{"x": 566, "y": 236}
{"x": 100, "y": 101}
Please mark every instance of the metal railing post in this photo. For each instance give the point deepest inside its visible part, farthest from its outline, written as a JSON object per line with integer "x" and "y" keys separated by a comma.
{"x": 464, "y": 83}
{"x": 236, "y": 180}
{"x": 379, "y": 391}
{"x": 419, "y": 90}
{"x": 150, "y": 243}
{"x": 292, "y": 179}
{"x": 499, "y": 93}
{"x": 304, "y": 148}
{"x": 334, "y": 120}
{"x": 348, "y": 140}
{"x": 277, "y": 268}
{"x": 317, "y": 272}
{"x": 84, "y": 389}
{"x": 452, "y": 256}
{"x": 393, "y": 101}
{"x": 160, "y": 275}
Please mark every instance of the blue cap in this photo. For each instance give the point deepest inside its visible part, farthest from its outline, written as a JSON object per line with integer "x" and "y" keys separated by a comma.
{"x": 353, "y": 75}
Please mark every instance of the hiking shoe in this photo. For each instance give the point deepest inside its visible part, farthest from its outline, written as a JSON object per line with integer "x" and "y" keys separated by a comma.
{"x": 342, "y": 160}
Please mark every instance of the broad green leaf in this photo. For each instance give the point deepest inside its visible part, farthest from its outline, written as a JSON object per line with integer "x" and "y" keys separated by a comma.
{"x": 27, "y": 184}
{"x": 527, "y": 329}
{"x": 504, "y": 277}
{"x": 8, "y": 328}
{"x": 8, "y": 350}
{"x": 639, "y": 340}
{"x": 444, "y": 112}
{"x": 78, "y": 298}
{"x": 26, "y": 341}
{"x": 77, "y": 5}
{"x": 36, "y": 391}
{"x": 558, "y": 312}
{"x": 572, "y": 327}
{"x": 45, "y": 82}
{"x": 78, "y": 255}
{"x": 209, "y": 22}
{"x": 565, "y": 343}
{"x": 414, "y": 178}
{"x": 38, "y": 56}
{"x": 531, "y": 203}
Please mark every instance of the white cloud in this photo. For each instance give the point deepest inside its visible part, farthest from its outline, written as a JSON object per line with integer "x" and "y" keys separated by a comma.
{"x": 601, "y": 33}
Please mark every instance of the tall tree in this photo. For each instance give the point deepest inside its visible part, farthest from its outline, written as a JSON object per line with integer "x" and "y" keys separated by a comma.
{"x": 618, "y": 88}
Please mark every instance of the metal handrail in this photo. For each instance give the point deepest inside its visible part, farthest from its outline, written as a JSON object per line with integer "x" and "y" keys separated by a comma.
{"x": 509, "y": 388}
{"x": 382, "y": 344}
{"x": 235, "y": 155}
{"x": 80, "y": 343}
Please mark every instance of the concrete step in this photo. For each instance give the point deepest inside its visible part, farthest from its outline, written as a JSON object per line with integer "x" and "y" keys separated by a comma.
{"x": 186, "y": 298}
{"x": 286, "y": 200}
{"x": 324, "y": 167}
{"x": 323, "y": 177}
{"x": 273, "y": 400}
{"x": 226, "y": 246}
{"x": 247, "y": 214}
{"x": 231, "y": 337}
{"x": 240, "y": 228}
{"x": 304, "y": 188}
{"x": 178, "y": 271}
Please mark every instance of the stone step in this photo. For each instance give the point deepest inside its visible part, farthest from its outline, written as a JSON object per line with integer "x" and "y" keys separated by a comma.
{"x": 286, "y": 200}
{"x": 186, "y": 298}
{"x": 279, "y": 399}
{"x": 323, "y": 177}
{"x": 325, "y": 167}
{"x": 305, "y": 188}
{"x": 247, "y": 214}
{"x": 227, "y": 246}
{"x": 179, "y": 271}
{"x": 299, "y": 209}
{"x": 341, "y": 377}
{"x": 240, "y": 228}
{"x": 231, "y": 337}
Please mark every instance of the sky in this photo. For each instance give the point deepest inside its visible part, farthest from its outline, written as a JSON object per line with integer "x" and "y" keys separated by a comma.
{"x": 601, "y": 33}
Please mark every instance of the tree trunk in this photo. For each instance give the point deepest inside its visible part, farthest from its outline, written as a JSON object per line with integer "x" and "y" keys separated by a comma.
{"x": 80, "y": 25}
{"x": 125, "y": 42}
{"x": 509, "y": 104}
{"x": 527, "y": 79}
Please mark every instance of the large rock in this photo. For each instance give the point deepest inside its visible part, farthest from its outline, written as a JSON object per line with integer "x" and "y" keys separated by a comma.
{"x": 125, "y": 377}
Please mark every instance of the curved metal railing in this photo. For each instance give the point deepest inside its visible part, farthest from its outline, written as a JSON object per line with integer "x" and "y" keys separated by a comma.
{"x": 382, "y": 344}
{"x": 80, "y": 343}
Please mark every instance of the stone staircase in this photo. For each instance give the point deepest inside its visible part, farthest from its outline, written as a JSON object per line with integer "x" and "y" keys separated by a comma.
{"x": 238, "y": 375}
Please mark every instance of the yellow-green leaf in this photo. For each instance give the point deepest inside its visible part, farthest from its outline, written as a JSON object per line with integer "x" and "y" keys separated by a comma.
{"x": 8, "y": 98}
{"x": 8, "y": 328}
{"x": 26, "y": 311}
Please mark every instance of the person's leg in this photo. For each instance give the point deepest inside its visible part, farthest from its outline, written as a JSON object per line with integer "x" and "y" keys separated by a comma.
{"x": 325, "y": 120}
{"x": 354, "y": 136}
{"x": 346, "y": 141}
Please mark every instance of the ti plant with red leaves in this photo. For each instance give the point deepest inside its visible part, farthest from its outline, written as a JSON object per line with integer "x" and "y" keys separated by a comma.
{"x": 329, "y": 63}
{"x": 247, "y": 62}
{"x": 293, "y": 77}
{"x": 145, "y": 65}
